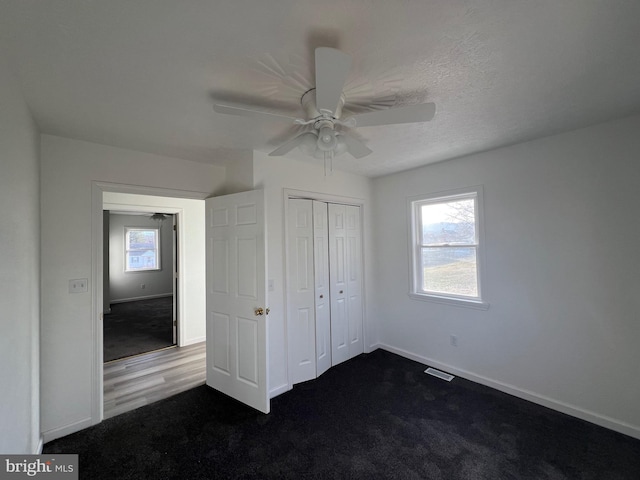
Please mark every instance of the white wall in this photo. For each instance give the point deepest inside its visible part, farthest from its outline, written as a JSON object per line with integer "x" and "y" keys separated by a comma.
{"x": 125, "y": 286}
{"x": 561, "y": 274}
{"x": 191, "y": 268}
{"x": 239, "y": 174}
{"x": 68, "y": 168}
{"x": 274, "y": 174}
{"x": 19, "y": 273}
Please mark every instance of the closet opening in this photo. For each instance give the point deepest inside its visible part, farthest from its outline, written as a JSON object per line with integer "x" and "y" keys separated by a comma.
{"x": 324, "y": 285}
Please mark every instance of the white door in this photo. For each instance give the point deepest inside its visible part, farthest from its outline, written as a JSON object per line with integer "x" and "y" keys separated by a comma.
{"x": 322, "y": 294}
{"x": 338, "y": 284}
{"x": 237, "y": 348}
{"x": 175, "y": 278}
{"x": 353, "y": 261}
{"x": 300, "y": 290}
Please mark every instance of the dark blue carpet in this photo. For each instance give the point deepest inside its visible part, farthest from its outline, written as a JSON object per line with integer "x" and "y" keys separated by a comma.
{"x": 137, "y": 327}
{"x": 377, "y": 416}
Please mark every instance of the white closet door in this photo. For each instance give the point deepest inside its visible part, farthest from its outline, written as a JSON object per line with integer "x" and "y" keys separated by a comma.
{"x": 300, "y": 288}
{"x": 338, "y": 283}
{"x": 324, "y": 286}
{"x": 322, "y": 294}
{"x": 353, "y": 260}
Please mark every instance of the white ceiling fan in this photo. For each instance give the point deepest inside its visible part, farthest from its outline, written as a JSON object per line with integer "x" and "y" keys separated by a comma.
{"x": 327, "y": 135}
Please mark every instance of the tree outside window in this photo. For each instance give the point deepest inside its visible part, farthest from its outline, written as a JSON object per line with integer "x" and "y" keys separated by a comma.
{"x": 142, "y": 249}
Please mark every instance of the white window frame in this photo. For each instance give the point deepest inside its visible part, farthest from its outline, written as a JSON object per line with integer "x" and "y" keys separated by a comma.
{"x": 127, "y": 249}
{"x": 415, "y": 247}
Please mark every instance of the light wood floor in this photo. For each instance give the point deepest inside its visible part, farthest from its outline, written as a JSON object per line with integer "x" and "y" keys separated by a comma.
{"x": 137, "y": 381}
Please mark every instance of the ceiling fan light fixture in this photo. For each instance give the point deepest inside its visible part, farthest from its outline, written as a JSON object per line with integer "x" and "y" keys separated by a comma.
{"x": 327, "y": 140}
{"x": 341, "y": 147}
{"x": 318, "y": 149}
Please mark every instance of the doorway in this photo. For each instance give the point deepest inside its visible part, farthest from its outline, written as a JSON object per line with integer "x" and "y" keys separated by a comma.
{"x": 140, "y": 290}
{"x": 188, "y": 210}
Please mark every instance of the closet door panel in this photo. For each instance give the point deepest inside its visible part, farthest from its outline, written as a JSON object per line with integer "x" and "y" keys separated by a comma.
{"x": 322, "y": 294}
{"x": 353, "y": 262}
{"x": 338, "y": 283}
{"x": 300, "y": 288}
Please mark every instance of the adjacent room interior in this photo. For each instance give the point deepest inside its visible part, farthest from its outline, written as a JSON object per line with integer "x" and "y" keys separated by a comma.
{"x": 140, "y": 267}
{"x": 252, "y": 206}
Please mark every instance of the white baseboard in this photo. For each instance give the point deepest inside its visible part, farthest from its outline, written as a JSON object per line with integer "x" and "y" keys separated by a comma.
{"x": 193, "y": 341}
{"x": 274, "y": 392}
{"x": 573, "y": 410}
{"x": 372, "y": 348}
{"x": 146, "y": 297}
{"x": 66, "y": 429}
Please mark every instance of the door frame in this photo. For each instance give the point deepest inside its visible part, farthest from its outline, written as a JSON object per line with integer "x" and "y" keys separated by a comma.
{"x": 289, "y": 193}
{"x": 97, "y": 282}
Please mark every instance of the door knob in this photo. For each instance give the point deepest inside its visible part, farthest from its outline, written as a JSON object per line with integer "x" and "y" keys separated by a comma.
{"x": 259, "y": 311}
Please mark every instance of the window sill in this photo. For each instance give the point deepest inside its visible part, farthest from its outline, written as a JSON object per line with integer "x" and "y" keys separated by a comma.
{"x": 456, "y": 302}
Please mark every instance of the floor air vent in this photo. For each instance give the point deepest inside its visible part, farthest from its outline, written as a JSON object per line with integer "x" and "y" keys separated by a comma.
{"x": 439, "y": 374}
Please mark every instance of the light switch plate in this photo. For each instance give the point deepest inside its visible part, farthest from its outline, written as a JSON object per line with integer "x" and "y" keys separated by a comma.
{"x": 79, "y": 285}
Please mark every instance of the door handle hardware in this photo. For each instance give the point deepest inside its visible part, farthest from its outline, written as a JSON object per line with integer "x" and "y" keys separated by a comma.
{"x": 259, "y": 311}
{"x": 321, "y": 296}
{"x": 267, "y": 311}
{"x": 341, "y": 291}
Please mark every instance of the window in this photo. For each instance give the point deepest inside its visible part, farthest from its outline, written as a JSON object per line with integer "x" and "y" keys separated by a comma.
{"x": 446, "y": 248}
{"x": 142, "y": 249}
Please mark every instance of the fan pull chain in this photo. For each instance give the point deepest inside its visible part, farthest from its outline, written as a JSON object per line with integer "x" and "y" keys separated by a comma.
{"x": 328, "y": 163}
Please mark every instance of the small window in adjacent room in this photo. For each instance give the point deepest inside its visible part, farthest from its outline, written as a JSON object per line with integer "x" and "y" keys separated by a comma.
{"x": 142, "y": 249}
{"x": 446, "y": 244}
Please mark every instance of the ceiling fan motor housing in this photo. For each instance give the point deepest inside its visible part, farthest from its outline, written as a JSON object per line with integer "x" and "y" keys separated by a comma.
{"x": 308, "y": 101}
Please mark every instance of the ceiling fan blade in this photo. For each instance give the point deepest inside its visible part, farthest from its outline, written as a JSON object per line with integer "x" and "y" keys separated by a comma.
{"x": 332, "y": 68}
{"x": 355, "y": 147}
{"x": 293, "y": 143}
{"x": 410, "y": 114}
{"x": 251, "y": 112}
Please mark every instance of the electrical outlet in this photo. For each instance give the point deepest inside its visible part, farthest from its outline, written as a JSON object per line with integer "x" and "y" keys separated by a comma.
{"x": 454, "y": 340}
{"x": 79, "y": 285}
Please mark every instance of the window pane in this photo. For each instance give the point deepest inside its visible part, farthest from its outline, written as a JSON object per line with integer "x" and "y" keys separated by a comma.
{"x": 450, "y": 270}
{"x": 142, "y": 249}
{"x": 142, "y": 239}
{"x": 451, "y": 222}
{"x": 142, "y": 260}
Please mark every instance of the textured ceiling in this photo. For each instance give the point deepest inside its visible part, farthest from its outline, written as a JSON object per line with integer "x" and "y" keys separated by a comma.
{"x": 143, "y": 74}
